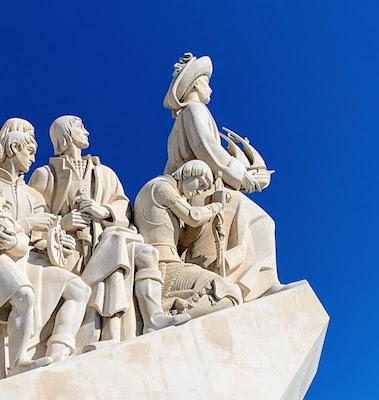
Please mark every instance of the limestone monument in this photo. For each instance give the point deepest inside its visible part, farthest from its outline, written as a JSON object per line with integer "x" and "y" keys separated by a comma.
{"x": 176, "y": 299}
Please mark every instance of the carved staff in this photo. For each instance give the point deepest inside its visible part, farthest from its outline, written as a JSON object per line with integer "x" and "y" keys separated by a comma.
{"x": 84, "y": 235}
{"x": 55, "y": 249}
{"x": 219, "y": 231}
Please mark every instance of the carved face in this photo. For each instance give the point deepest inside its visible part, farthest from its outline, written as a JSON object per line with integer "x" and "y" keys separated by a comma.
{"x": 192, "y": 186}
{"x": 204, "y": 91}
{"x": 25, "y": 158}
{"x": 79, "y": 135}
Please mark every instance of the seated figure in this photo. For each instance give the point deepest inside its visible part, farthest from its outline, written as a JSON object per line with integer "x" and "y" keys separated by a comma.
{"x": 250, "y": 239}
{"x": 160, "y": 209}
{"x": 58, "y": 293}
{"x": 110, "y": 255}
{"x": 16, "y": 294}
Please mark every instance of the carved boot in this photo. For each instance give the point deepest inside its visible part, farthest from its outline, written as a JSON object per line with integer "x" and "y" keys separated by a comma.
{"x": 60, "y": 346}
{"x": 148, "y": 292}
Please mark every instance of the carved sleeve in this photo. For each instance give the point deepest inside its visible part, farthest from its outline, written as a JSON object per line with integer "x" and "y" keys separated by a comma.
{"x": 165, "y": 194}
{"x": 205, "y": 146}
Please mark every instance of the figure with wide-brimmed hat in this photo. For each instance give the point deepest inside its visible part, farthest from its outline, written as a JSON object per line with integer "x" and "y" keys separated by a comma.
{"x": 250, "y": 258}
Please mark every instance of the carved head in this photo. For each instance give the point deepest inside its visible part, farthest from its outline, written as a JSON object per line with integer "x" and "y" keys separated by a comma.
{"x": 17, "y": 124}
{"x": 67, "y": 130}
{"x": 190, "y": 73}
{"x": 194, "y": 177}
{"x": 20, "y": 147}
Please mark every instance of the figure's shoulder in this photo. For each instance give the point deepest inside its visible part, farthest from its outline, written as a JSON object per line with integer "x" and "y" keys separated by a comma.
{"x": 165, "y": 191}
{"x": 105, "y": 169}
{"x": 39, "y": 181}
{"x": 40, "y": 174}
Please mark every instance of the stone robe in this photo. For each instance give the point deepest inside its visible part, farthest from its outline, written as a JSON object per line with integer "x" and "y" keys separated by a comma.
{"x": 48, "y": 282}
{"x": 250, "y": 237}
{"x": 112, "y": 262}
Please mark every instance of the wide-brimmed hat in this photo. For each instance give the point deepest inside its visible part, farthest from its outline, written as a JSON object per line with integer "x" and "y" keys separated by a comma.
{"x": 187, "y": 70}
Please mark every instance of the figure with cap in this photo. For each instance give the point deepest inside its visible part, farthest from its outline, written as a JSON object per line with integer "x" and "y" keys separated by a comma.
{"x": 250, "y": 257}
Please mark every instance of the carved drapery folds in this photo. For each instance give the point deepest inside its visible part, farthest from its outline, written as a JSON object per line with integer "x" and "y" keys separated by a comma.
{"x": 78, "y": 273}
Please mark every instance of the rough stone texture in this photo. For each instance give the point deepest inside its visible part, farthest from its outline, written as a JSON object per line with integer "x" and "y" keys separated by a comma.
{"x": 268, "y": 349}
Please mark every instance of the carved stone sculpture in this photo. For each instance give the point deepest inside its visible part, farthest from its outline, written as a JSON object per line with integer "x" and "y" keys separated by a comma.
{"x": 160, "y": 208}
{"x": 17, "y": 294}
{"x": 250, "y": 257}
{"x": 110, "y": 255}
{"x": 51, "y": 285}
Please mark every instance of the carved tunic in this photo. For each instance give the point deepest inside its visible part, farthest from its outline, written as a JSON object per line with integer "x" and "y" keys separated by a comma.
{"x": 48, "y": 282}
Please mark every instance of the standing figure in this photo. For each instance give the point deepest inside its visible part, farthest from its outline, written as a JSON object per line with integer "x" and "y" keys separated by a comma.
{"x": 52, "y": 286}
{"x": 16, "y": 294}
{"x": 161, "y": 207}
{"x": 96, "y": 212}
{"x": 250, "y": 257}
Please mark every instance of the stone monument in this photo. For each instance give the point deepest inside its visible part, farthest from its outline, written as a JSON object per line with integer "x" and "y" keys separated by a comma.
{"x": 176, "y": 299}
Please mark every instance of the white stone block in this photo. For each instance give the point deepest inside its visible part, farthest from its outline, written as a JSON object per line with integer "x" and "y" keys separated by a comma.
{"x": 268, "y": 349}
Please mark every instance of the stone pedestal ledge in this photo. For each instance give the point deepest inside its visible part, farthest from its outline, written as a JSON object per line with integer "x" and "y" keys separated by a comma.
{"x": 268, "y": 349}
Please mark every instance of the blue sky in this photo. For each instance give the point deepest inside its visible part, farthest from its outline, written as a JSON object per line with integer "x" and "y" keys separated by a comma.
{"x": 299, "y": 78}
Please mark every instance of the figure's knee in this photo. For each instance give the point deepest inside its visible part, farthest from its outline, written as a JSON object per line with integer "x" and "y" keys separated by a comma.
{"x": 24, "y": 298}
{"x": 147, "y": 257}
{"x": 76, "y": 289}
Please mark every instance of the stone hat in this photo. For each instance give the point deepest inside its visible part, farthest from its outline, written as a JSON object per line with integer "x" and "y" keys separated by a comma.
{"x": 187, "y": 70}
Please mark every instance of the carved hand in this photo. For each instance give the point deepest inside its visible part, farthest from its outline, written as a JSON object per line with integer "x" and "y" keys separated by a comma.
{"x": 221, "y": 196}
{"x": 248, "y": 183}
{"x": 256, "y": 180}
{"x": 8, "y": 239}
{"x": 68, "y": 243}
{"x": 75, "y": 220}
{"x": 96, "y": 210}
{"x": 41, "y": 221}
{"x": 263, "y": 178}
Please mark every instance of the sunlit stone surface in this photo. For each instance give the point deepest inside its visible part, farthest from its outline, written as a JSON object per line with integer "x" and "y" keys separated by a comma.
{"x": 268, "y": 349}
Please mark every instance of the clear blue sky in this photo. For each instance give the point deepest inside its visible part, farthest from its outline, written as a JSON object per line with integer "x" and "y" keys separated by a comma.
{"x": 300, "y": 78}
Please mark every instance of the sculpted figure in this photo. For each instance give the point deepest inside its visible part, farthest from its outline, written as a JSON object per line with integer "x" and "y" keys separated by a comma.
{"x": 161, "y": 207}
{"x": 250, "y": 257}
{"x": 109, "y": 250}
{"x": 51, "y": 285}
{"x": 16, "y": 294}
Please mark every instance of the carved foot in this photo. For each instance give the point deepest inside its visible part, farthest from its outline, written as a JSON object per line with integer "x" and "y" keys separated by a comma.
{"x": 161, "y": 321}
{"x": 58, "y": 351}
{"x": 28, "y": 365}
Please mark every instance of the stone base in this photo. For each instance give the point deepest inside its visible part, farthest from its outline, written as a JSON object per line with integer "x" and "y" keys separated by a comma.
{"x": 268, "y": 349}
